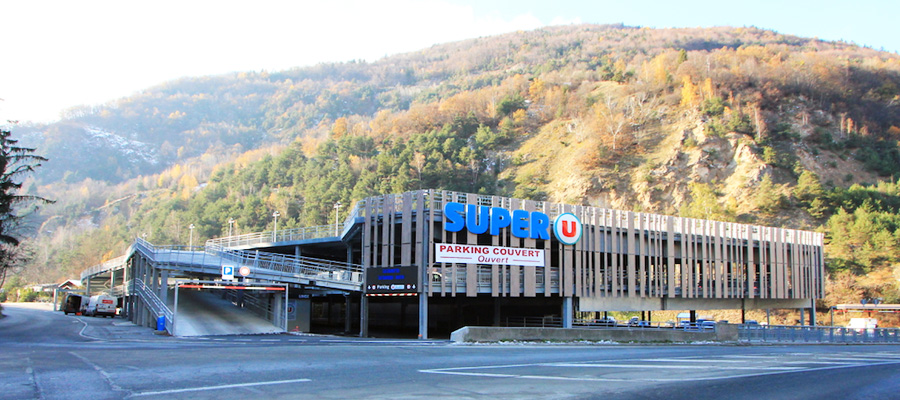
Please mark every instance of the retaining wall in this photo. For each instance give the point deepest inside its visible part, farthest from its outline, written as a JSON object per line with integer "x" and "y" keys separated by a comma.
{"x": 722, "y": 333}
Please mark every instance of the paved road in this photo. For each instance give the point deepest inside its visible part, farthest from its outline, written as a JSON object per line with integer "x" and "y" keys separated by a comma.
{"x": 46, "y": 355}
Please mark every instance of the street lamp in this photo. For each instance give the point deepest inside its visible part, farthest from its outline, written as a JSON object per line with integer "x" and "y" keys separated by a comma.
{"x": 337, "y": 208}
{"x": 275, "y": 214}
{"x": 191, "y": 246}
{"x": 230, "y": 226}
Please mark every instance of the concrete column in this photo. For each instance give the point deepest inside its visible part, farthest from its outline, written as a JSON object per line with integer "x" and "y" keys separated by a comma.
{"x": 812, "y": 312}
{"x": 568, "y": 312}
{"x": 802, "y": 317}
{"x": 364, "y": 316}
{"x": 164, "y": 286}
{"x": 423, "y": 315}
{"x": 347, "y": 313}
{"x": 154, "y": 278}
{"x": 297, "y": 251}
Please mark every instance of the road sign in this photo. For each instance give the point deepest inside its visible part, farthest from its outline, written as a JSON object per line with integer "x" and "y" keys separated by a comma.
{"x": 228, "y": 272}
{"x": 244, "y": 271}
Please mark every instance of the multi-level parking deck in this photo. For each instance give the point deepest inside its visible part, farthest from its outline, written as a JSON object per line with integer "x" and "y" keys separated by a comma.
{"x": 449, "y": 259}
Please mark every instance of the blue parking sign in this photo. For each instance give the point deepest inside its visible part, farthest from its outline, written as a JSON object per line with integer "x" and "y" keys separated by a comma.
{"x": 228, "y": 272}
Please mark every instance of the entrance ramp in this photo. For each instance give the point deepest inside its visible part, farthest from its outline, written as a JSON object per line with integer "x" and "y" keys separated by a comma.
{"x": 205, "y": 313}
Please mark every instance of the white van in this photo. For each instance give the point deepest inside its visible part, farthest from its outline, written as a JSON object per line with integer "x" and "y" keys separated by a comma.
{"x": 102, "y": 304}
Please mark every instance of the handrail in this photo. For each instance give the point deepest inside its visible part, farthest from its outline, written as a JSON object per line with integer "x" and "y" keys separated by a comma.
{"x": 154, "y": 302}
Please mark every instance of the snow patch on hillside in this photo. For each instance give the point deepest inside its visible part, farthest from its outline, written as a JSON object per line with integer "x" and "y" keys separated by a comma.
{"x": 136, "y": 151}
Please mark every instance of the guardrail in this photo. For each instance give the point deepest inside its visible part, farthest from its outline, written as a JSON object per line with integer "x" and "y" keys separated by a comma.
{"x": 290, "y": 267}
{"x": 279, "y": 267}
{"x": 287, "y": 235}
{"x": 104, "y": 266}
{"x": 816, "y": 334}
{"x": 534, "y": 322}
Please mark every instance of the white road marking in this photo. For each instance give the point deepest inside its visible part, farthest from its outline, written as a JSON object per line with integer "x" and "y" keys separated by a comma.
{"x": 633, "y": 366}
{"x": 855, "y": 360}
{"x": 236, "y": 385}
{"x": 771, "y": 370}
{"x": 760, "y": 357}
{"x": 691, "y": 360}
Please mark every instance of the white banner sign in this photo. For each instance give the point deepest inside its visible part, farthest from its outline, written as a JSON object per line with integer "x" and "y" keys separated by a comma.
{"x": 471, "y": 254}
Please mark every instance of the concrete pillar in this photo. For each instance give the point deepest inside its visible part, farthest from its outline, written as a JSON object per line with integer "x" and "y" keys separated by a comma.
{"x": 423, "y": 315}
{"x": 568, "y": 312}
{"x": 164, "y": 286}
{"x": 802, "y": 317}
{"x": 297, "y": 251}
{"x": 363, "y": 316}
{"x": 347, "y": 313}
{"x": 812, "y": 312}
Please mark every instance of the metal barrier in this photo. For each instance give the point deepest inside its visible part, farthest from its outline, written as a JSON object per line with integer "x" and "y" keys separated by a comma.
{"x": 534, "y": 322}
{"x": 816, "y": 334}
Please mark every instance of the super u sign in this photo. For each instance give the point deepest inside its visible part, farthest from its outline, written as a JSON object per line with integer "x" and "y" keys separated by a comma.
{"x": 522, "y": 224}
{"x": 567, "y": 228}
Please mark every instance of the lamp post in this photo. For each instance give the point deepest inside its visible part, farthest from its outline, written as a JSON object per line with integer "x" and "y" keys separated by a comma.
{"x": 230, "y": 226}
{"x": 337, "y": 208}
{"x": 191, "y": 245}
{"x": 275, "y": 214}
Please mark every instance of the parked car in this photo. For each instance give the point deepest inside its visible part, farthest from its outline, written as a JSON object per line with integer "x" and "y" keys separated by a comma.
{"x": 606, "y": 321}
{"x": 707, "y": 325}
{"x": 636, "y": 322}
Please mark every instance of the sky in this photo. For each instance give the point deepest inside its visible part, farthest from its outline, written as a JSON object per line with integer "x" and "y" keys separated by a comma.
{"x": 57, "y": 54}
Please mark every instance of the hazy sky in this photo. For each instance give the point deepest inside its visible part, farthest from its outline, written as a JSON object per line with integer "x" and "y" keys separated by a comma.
{"x": 59, "y": 54}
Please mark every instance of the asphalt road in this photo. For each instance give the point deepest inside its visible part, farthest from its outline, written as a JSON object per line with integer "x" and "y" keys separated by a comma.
{"x": 46, "y": 355}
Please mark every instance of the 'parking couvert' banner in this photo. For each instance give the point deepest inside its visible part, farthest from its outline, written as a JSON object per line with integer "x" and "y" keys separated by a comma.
{"x": 471, "y": 254}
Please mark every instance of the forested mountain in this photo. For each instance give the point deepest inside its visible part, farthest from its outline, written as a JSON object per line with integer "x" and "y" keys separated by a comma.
{"x": 725, "y": 123}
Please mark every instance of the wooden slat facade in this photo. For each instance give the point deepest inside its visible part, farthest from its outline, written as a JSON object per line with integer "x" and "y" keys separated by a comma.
{"x": 620, "y": 254}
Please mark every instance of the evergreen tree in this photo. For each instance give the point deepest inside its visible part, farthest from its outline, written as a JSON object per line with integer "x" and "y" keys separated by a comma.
{"x": 15, "y": 162}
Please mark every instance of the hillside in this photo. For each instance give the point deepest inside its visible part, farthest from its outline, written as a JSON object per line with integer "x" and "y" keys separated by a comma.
{"x": 725, "y": 123}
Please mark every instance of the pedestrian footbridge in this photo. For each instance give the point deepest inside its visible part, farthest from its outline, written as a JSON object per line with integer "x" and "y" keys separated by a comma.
{"x": 182, "y": 289}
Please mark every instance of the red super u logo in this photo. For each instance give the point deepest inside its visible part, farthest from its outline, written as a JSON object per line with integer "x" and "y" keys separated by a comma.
{"x": 567, "y": 228}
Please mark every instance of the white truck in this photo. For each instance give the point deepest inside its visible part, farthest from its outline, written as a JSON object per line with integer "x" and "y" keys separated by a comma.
{"x": 101, "y": 305}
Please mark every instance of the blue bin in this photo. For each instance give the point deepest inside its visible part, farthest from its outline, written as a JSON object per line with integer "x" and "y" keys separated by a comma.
{"x": 161, "y": 323}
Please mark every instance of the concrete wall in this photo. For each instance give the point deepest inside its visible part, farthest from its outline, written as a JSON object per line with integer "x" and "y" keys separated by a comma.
{"x": 676, "y": 303}
{"x": 723, "y": 333}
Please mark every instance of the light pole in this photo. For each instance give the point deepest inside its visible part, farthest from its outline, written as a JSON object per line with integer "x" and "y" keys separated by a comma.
{"x": 275, "y": 214}
{"x": 337, "y": 208}
{"x": 191, "y": 245}
{"x": 230, "y": 226}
